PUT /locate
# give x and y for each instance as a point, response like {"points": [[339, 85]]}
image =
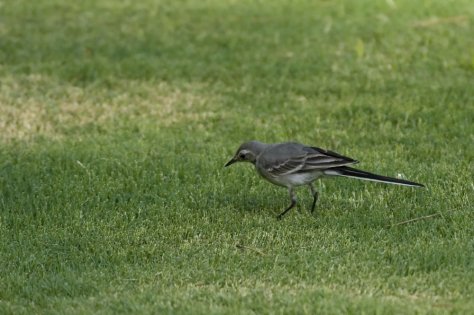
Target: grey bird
{"points": [[292, 164]]}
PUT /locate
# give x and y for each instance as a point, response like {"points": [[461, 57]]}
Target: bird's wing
{"points": [[289, 160]]}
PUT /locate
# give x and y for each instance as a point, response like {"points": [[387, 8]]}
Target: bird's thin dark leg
{"points": [[293, 203], [315, 194]]}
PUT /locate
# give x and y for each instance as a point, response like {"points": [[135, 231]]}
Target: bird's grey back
{"points": [[278, 153]]}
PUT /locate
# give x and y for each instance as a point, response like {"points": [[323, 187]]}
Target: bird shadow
{"points": [[273, 202]]}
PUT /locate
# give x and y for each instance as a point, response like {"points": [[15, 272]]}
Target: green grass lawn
{"points": [[116, 118]]}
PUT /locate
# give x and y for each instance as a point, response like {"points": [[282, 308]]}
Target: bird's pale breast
{"points": [[291, 180]]}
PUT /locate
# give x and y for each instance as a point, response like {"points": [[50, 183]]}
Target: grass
{"points": [[116, 119]]}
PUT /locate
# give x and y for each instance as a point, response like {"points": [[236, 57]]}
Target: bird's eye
{"points": [[242, 155]]}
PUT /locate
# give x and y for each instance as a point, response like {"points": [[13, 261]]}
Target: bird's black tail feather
{"points": [[355, 173]]}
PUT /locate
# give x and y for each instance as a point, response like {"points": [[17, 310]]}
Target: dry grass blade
{"points": [[436, 21], [415, 219], [256, 250]]}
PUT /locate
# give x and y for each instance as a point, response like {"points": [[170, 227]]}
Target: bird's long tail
{"points": [[355, 173]]}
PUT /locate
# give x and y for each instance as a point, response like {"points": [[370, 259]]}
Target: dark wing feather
{"points": [[335, 155], [288, 166], [311, 159]]}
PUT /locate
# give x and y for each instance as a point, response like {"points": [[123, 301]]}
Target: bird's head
{"points": [[247, 152]]}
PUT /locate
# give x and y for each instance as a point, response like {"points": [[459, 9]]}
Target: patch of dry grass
{"points": [[36, 105]]}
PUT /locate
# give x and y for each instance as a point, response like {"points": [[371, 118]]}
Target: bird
{"points": [[292, 164]]}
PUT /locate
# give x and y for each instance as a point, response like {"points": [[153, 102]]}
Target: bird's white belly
{"points": [[295, 179], [299, 179]]}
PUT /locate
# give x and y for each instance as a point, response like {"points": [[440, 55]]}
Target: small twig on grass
{"points": [[415, 219], [84, 167], [243, 247], [435, 21], [81, 165]]}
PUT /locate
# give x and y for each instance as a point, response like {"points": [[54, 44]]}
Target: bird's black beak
{"points": [[230, 162]]}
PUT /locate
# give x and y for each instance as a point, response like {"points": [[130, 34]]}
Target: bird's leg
{"points": [[293, 203], [315, 194]]}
